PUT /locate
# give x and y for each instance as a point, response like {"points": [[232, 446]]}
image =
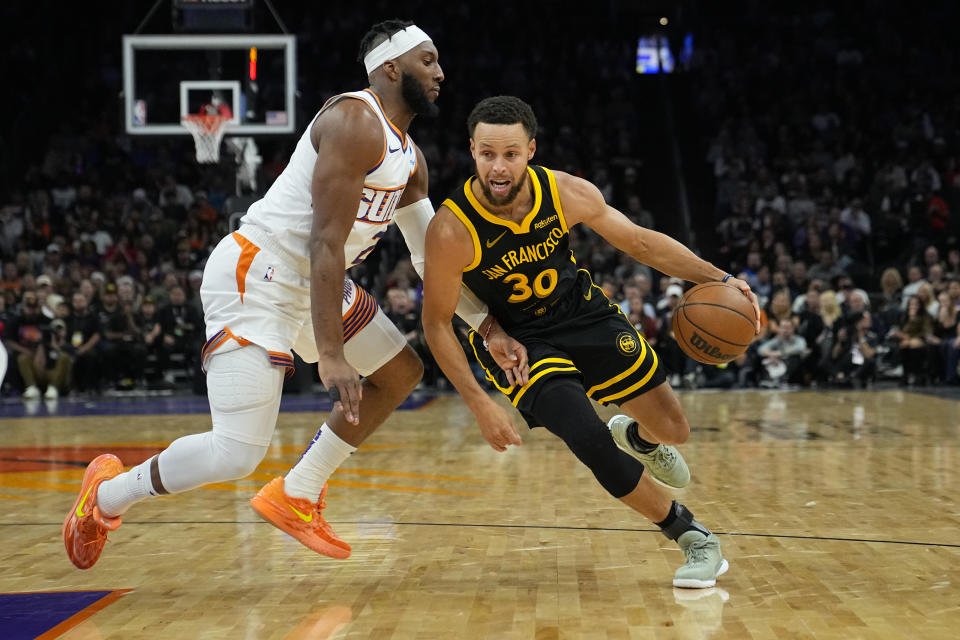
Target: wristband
{"points": [[727, 277], [486, 333]]}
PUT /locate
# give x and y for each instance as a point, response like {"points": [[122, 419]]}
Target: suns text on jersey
{"points": [[380, 204]]}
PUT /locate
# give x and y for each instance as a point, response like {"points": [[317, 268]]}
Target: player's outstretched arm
{"points": [[448, 250], [349, 141], [583, 202]]}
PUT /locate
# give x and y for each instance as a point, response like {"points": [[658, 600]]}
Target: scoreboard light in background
{"points": [[253, 63], [654, 54]]}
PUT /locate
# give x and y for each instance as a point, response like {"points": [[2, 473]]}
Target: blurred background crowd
{"points": [[811, 148]]}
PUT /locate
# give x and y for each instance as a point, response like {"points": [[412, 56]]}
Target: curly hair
{"points": [[378, 33], [503, 110]]}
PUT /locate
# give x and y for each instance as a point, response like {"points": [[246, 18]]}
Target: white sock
{"points": [[325, 453], [119, 493]]}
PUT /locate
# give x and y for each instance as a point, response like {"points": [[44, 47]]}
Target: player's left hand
{"points": [[751, 296], [510, 355]]}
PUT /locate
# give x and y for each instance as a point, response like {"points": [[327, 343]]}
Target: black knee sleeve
{"points": [[563, 408]]}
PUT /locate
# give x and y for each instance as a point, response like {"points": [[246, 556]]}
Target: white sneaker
{"points": [[705, 561], [51, 393], [31, 393], [665, 463]]}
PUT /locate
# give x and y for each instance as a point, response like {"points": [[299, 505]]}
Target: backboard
{"points": [[250, 78]]}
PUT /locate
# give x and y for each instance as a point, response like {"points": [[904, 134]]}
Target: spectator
{"points": [[890, 307], [914, 282], [854, 352], [11, 278], [151, 333], [53, 365], [951, 358], [810, 326], [182, 330], [778, 309], [128, 353], [782, 355], [857, 219], [953, 290], [928, 299], [953, 264], [845, 289], [175, 194], [826, 268], [936, 278], [914, 334], [944, 331], [24, 341], [83, 337], [799, 280], [44, 290]]}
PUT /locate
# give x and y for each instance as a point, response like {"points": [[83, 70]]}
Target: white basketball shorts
{"points": [[253, 291]]}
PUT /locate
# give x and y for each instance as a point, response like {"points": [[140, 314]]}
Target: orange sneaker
{"points": [[300, 518], [85, 529]]}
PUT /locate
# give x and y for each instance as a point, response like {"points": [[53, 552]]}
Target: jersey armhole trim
{"points": [[457, 211], [335, 99], [555, 194]]}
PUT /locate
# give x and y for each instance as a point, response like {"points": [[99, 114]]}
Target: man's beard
{"points": [[507, 199], [416, 98]]}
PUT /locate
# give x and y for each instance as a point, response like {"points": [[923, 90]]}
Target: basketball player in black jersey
{"points": [[504, 235]]}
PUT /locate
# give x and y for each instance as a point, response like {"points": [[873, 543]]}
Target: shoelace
{"points": [[666, 457], [697, 551], [319, 520], [97, 535]]}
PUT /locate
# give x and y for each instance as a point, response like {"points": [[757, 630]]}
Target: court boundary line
{"points": [[744, 534]]}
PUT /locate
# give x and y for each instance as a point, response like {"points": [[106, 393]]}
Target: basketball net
{"points": [[207, 132]]}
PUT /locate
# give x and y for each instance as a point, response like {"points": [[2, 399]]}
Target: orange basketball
{"points": [[714, 323]]}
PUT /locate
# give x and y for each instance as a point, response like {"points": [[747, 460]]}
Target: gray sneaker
{"points": [[704, 563], [665, 462]]}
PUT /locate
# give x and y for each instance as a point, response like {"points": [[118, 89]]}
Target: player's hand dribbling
{"points": [[497, 428], [510, 355], [343, 383], [745, 288]]}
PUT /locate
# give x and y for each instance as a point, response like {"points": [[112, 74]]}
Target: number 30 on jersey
{"points": [[543, 285]]}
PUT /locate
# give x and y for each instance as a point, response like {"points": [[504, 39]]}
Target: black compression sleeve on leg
{"points": [[564, 409]]}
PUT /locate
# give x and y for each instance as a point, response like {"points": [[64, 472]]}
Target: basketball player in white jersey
{"points": [[278, 284]]}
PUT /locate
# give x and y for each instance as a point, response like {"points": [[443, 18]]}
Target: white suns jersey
{"points": [[286, 212]]}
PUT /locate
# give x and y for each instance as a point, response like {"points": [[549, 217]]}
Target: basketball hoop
{"points": [[207, 132]]}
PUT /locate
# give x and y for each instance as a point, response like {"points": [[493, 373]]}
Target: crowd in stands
{"points": [[834, 144], [831, 138]]}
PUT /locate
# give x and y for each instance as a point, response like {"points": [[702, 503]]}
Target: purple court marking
{"points": [[143, 405], [24, 616]]}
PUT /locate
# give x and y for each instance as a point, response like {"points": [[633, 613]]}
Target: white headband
{"points": [[395, 46]]}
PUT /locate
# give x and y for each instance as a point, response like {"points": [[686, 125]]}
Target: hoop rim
{"points": [[207, 131], [210, 122]]}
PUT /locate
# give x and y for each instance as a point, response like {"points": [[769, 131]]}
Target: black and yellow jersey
{"points": [[520, 270]]}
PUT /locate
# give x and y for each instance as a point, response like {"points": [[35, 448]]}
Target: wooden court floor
{"points": [[838, 512]]}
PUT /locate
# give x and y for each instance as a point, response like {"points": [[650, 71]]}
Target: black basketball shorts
{"points": [[587, 337]]}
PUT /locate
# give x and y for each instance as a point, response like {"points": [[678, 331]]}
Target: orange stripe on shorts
{"points": [[248, 251]]}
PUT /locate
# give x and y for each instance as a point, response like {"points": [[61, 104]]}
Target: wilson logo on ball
{"points": [[701, 344]]}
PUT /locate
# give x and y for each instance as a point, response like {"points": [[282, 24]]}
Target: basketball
{"points": [[714, 323]]}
